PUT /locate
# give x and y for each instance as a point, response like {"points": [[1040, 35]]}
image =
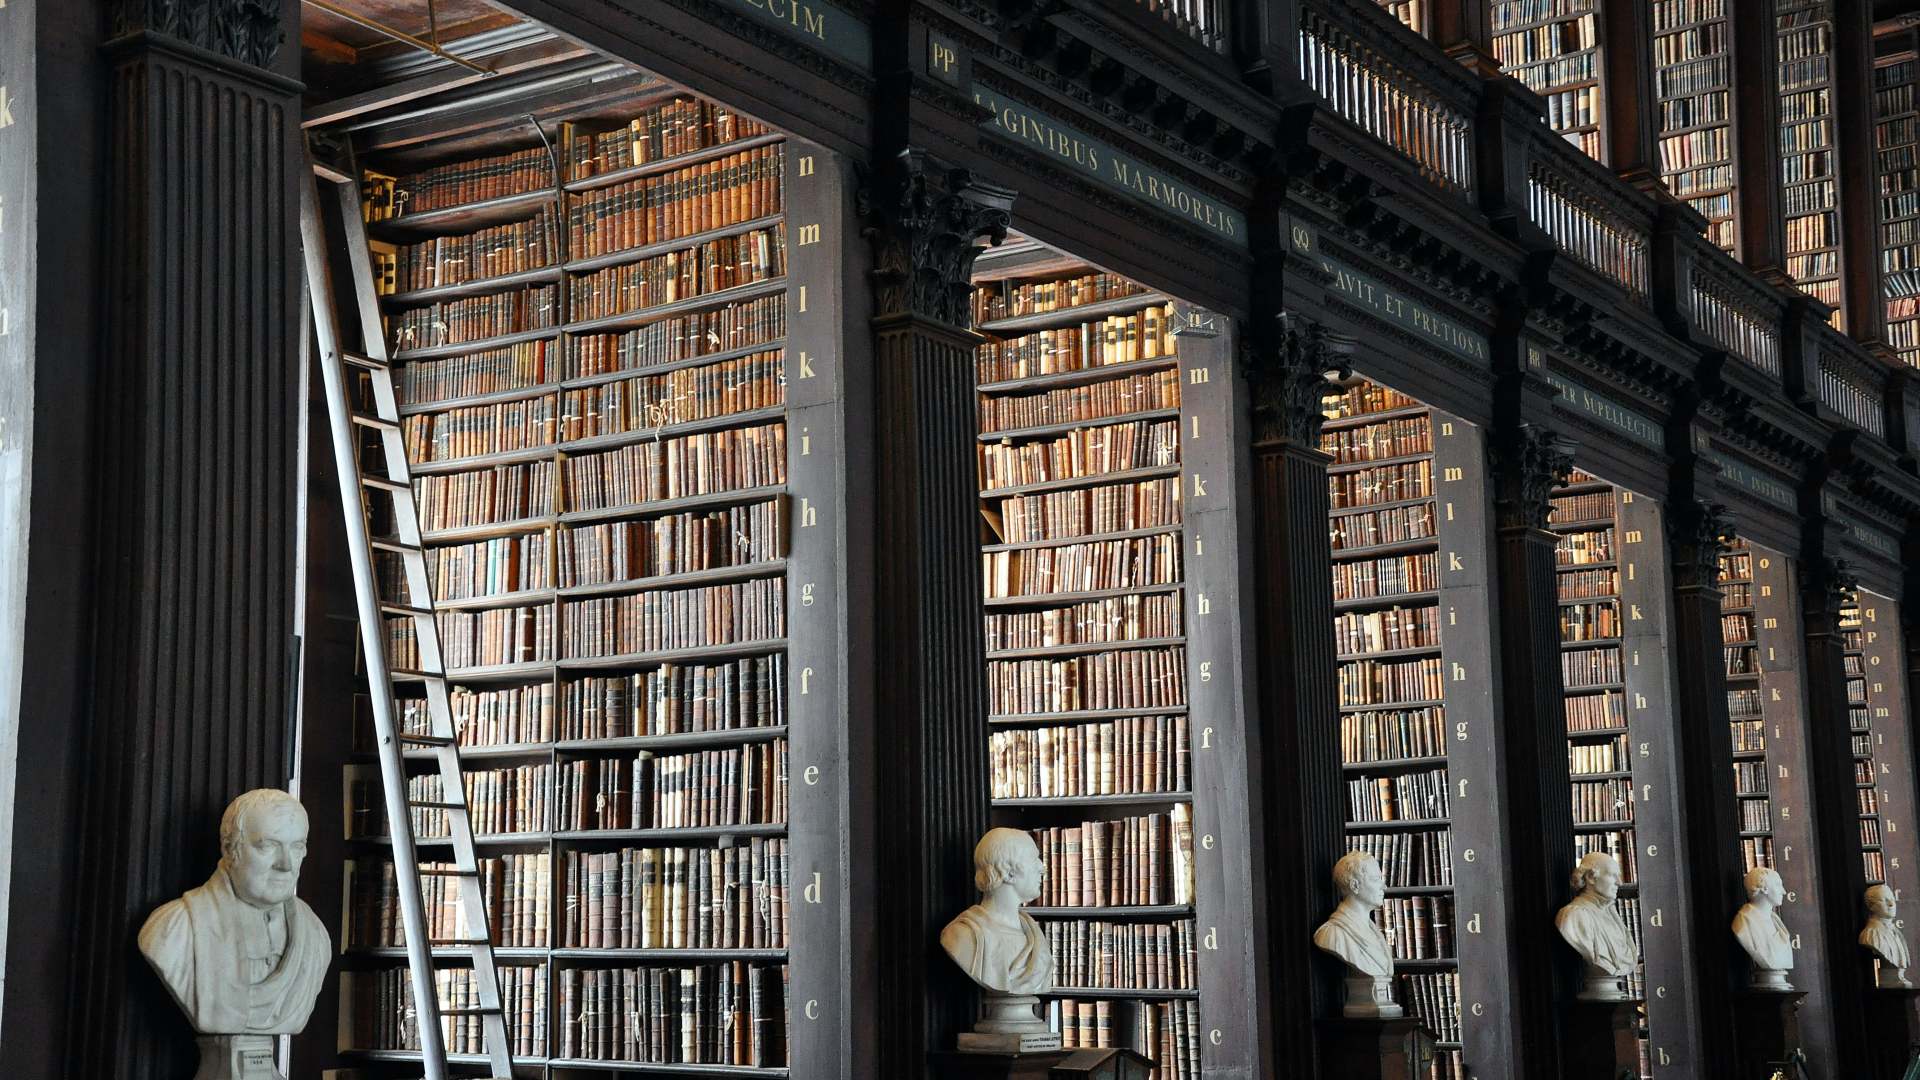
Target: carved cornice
{"points": [[1288, 384], [1701, 532], [1530, 463], [923, 227], [244, 30]]}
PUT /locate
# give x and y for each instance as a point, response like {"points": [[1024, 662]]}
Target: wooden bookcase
{"points": [[1411, 13], [1888, 767], [698, 579], [1553, 47], [1693, 88], [1809, 154], [1895, 144]]}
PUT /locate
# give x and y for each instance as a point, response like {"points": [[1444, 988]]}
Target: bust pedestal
{"points": [[1768, 1025], [1376, 1048], [237, 1057], [1009, 1024], [1893, 1016], [984, 1065], [1603, 1040]]}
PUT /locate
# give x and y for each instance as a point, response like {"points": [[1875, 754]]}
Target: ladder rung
{"points": [[477, 1010], [427, 740], [438, 805], [445, 871], [379, 423], [395, 546], [457, 942], [404, 609], [384, 484], [360, 361]]}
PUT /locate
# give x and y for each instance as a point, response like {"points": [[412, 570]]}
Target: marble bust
{"points": [[1758, 928], [1593, 927], [1001, 948], [1350, 934], [242, 955], [1883, 938]]}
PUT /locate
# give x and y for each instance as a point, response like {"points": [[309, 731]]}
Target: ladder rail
{"points": [[368, 602]]}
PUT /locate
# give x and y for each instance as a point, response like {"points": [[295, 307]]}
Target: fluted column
{"points": [[930, 694], [1286, 371], [1529, 462]]}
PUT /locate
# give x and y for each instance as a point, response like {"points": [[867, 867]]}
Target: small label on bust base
{"points": [[974, 1042]]}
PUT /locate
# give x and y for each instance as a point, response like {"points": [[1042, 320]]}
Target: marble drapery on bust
{"points": [[1002, 949], [1758, 928], [1592, 926], [1350, 934], [1882, 936]]}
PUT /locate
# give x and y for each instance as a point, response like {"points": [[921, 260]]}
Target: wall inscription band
{"points": [[1397, 308], [1637, 426]]}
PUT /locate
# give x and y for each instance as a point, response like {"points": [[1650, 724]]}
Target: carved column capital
{"points": [[1833, 583], [923, 224], [1287, 382], [244, 30], [1530, 463], [1701, 532]]}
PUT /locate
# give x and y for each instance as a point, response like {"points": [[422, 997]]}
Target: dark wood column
{"points": [[1858, 172], [1462, 28], [930, 670], [1286, 368], [1756, 124], [1626, 44], [1700, 533], [1826, 583], [1529, 460], [196, 492]]}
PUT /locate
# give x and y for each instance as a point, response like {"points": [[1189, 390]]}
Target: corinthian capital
{"points": [[1287, 380], [1532, 461], [924, 225]]}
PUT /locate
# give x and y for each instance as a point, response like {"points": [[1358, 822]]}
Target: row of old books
{"points": [[1582, 548], [739, 785], [1736, 594], [383, 1017], [473, 430], [1896, 134], [1595, 712], [1146, 860], [1741, 659], [1378, 682], [1391, 735], [1143, 392], [1750, 777], [1117, 339], [703, 463], [492, 177], [1869, 832], [1373, 442], [1129, 679], [737, 188], [1585, 759], [473, 639], [1095, 953], [677, 699], [1166, 1032], [486, 371], [672, 544], [499, 801], [730, 328], [1589, 620], [1393, 575], [1083, 452], [1594, 506], [500, 717], [1737, 627], [730, 1013], [516, 888], [1394, 525], [1110, 620], [1363, 398], [1142, 562], [456, 260], [680, 126], [1380, 484], [677, 897], [1395, 628], [726, 263], [1602, 801], [1756, 851], [1587, 584], [1756, 816], [1804, 51], [1055, 294], [1434, 998], [1615, 842], [1590, 667], [475, 318], [647, 403], [1130, 755], [1411, 859], [482, 568], [667, 619], [1089, 511], [1418, 927], [1411, 796]]}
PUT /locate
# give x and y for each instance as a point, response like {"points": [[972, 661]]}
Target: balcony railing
{"points": [[1205, 21], [1584, 226], [1851, 393], [1387, 102], [1736, 327]]}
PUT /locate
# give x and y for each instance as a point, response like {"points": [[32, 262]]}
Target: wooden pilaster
{"points": [[1632, 129], [1756, 125]]}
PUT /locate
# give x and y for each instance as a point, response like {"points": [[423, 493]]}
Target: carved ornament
{"points": [[1288, 383], [924, 224], [245, 30], [1531, 462]]}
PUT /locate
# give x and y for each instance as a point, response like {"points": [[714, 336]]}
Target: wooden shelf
{"points": [[1388, 654], [1395, 764], [477, 287], [639, 317], [1343, 423], [1067, 801], [662, 247], [1079, 376], [1422, 704], [1348, 468], [436, 352], [686, 740], [1016, 325], [611, 177], [1082, 715], [466, 217], [729, 650], [669, 835], [1090, 538], [1044, 430], [1118, 911], [1395, 547], [1065, 599], [1369, 603], [1083, 648], [1124, 476]]}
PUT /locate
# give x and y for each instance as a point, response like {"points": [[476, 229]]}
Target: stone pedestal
{"points": [[1603, 1040], [1376, 1048], [1369, 997], [237, 1057], [1893, 1018], [979, 1065], [1768, 1025]]}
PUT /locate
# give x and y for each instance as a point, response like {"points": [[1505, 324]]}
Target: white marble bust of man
{"points": [[1592, 925], [1883, 937], [1349, 933], [241, 954], [1760, 932], [999, 946]]}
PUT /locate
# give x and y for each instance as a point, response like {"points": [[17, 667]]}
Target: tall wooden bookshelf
{"points": [[1809, 158], [1083, 558], [1594, 669], [1693, 80], [1860, 735], [1888, 772], [1396, 733], [591, 326], [1896, 143], [1746, 708], [1411, 13], [1553, 46]]}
